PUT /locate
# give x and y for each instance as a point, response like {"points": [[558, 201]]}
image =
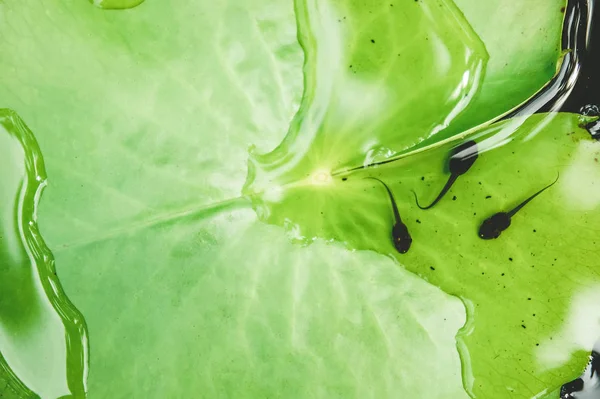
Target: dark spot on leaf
{"points": [[422, 178], [344, 178], [432, 268], [372, 40], [562, 9], [523, 325], [510, 259], [454, 198], [488, 197], [418, 221]]}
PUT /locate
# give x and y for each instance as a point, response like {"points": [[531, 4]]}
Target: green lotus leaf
{"points": [[145, 117]]}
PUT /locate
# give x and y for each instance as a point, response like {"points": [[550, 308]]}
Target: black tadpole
{"points": [[460, 161], [400, 235], [567, 390], [493, 226]]}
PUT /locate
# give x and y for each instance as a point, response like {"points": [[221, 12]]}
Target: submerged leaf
{"points": [[523, 41], [380, 78], [517, 289]]}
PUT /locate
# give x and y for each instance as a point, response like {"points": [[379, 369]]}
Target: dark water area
{"points": [[576, 86]]}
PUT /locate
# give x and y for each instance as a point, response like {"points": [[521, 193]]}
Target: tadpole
{"points": [[400, 235], [493, 226], [460, 161]]}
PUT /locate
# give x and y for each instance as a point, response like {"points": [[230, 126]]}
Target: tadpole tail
{"points": [[528, 200], [417, 199], [391, 195], [449, 184]]}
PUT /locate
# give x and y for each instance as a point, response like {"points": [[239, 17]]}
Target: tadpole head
{"points": [[401, 237], [567, 390], [493, 226], [463, 157]]}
